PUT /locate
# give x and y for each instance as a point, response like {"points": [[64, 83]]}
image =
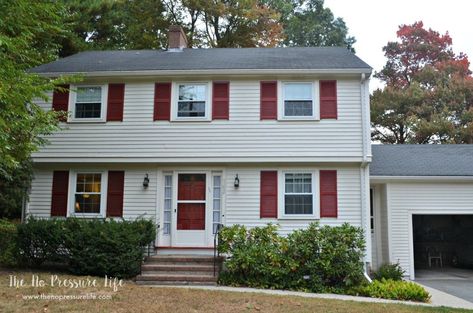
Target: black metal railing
{"points": [[216, 244]]}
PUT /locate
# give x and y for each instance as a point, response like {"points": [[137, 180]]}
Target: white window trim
{"points": [[315, 101], [72, 104], [315, 191], [103, 194], [175, 99]]}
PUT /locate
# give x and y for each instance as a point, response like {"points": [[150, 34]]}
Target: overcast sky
{"points": [[375, 22]]}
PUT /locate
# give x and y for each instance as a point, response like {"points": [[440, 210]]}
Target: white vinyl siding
{"points": [[138, 202], [421, 198], [244, 137], [242, 203]]}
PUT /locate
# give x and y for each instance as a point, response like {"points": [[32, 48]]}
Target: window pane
{"points": [[297, 108], [89, 183], [298, 204], [89, 94], [167, 193], [298, 183], [87, 203], [191, 109], [167, 204], [168, 180], [298, 91], [216, 205], [192, 92], [167, 217], [88, 110], [167, 229], [216, 217]]}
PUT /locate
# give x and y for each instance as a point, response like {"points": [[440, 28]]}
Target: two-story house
{"points": [[192, 138]]}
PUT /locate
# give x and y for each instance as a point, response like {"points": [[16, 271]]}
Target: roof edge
{"points": [[246, 72]]}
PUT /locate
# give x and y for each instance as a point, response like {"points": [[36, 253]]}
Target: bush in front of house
{"points": [[259, 259], [317, 259], [8, 245], [41, 240], [88, 247], [389, 271], [395, 290]]}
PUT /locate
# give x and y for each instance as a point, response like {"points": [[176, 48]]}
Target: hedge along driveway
{"points": [[133, 298]]}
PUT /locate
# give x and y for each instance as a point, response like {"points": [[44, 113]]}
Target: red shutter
{"points": [[61, 100], [269, 194], [59, 193], [162, 101], [328, 99], [328, 194], [116, 183], [116, 94], [220, 100], [269, 100]]}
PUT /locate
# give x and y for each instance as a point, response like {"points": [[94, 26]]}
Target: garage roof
{"points": [[294, 58], [422, 160]]}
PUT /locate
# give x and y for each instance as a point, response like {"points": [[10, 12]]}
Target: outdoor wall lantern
{"points": [[146, 181], [236, 183]]}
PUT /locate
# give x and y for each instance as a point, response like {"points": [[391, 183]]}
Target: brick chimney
{"points": [[177, 38]]}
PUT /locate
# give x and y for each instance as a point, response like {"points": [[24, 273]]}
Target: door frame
{"points": [[169, 241]]}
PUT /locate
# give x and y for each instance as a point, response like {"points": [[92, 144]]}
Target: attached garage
{"points": [[423, 206]]}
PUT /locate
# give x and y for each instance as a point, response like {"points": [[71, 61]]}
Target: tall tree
{"points": [[428, 96], [307, 23], [117, 24], [227, 23], [28, 37]]}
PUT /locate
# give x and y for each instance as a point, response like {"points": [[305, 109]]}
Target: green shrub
{"points": [[8, 247], [395, 290], [315, 259], [88, 247], [114, 248], [389, 271], [41, 240]]}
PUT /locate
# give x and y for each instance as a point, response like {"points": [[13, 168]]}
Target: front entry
{"points": [[191, 213]]}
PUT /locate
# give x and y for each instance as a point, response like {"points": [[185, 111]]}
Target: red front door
{"points": [[191, 202]]}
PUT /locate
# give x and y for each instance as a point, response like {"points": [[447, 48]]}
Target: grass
{"points": [[133, 298]]}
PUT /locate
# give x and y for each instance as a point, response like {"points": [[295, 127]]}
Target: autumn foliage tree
{"points": [[428, 96]]}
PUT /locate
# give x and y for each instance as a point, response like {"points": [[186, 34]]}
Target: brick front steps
{"points": [[179, 270]]}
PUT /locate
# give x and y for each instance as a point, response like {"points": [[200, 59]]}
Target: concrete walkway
{"points": [[438, 298]]}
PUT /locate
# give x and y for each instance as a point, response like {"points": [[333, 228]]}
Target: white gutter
{"points": [[365, 119], [364, 170], [247, 72]]}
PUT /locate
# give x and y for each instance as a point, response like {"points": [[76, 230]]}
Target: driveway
{"points": [[456, 282]]}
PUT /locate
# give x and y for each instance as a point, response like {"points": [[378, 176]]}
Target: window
{"points": [[167, 204], [88, 102], [192, 101], [298, 100], [217, 201], [88, 193], [298, 194]]}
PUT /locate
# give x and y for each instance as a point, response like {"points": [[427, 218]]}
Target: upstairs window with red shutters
{"points": [[298, 100], [88, 103], [192, 101]]}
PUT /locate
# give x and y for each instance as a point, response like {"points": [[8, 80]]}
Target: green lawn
{"points": [[133, 298]]}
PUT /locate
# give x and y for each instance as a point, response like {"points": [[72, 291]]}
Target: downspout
{"points": [[364, 170]]}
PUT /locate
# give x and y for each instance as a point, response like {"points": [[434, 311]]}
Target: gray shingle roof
{"points": [[316, 58], [422, 160]]}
